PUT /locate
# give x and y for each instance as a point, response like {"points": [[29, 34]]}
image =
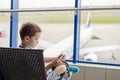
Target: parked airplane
{"points": [[66, 45], [86, 33]]}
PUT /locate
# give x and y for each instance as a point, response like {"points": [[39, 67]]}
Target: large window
{"points": [[99, 30]]}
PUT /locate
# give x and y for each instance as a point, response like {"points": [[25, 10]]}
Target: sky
{"points": [[57, 3]]}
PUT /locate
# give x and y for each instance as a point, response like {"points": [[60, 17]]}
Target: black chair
{"points": [[21, 64]]}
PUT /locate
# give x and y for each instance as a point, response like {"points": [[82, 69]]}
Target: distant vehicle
{"points": [[2, 33]]}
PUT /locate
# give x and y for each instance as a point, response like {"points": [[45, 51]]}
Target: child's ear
{"points": [[27, 38]]}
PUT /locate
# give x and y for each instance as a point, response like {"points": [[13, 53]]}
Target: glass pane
{"points": [[45, 3], [5, 4], [103, 44], [4, 24], [97, 3], [56, 27]]}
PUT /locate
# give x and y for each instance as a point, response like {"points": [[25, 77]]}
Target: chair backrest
{"points": [[21, 64]]}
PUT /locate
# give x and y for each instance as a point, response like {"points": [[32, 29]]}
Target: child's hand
{"points": [[56, 62], [62, 57]]}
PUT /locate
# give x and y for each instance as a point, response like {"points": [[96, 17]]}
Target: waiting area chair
{"points": [[21, 64]]}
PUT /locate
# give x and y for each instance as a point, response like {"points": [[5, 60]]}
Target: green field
{"points": [[66, 17]]}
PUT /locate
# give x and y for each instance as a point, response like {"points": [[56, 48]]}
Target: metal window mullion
{"points": [[61, 9], [76, 42], [14, 24]]}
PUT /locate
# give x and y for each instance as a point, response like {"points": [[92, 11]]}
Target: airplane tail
{"points": [[88, 20]]}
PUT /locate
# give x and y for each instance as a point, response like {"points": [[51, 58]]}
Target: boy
{"points": [[30, 34]]}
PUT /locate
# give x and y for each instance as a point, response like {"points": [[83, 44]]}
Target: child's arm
{"points": [[49, 66], [49, 59]]}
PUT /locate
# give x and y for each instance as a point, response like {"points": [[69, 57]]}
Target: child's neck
{"points": [[24, 45]]}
